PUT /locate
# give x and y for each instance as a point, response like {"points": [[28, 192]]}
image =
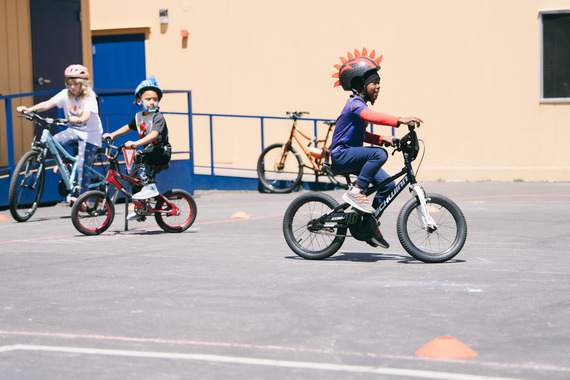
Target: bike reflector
{"points": [[129, 157]]}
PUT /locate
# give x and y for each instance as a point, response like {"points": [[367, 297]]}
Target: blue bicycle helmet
{"points": [[148, 84]]}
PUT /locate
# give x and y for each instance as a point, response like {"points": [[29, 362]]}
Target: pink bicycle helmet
{"points": [[356, 69], [77, 71]]}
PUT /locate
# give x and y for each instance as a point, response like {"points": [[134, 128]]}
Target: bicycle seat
{"points": [[346, 174], [330, 123]]}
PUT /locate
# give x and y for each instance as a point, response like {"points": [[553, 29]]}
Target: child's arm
{"points": [[80, 120], [383, 119], [378, 118], [40, 107], [119, 132], [373, 139], [152, 136]]}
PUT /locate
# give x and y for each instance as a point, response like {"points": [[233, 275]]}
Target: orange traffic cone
{"points": [[240, 215], [446, 348]]}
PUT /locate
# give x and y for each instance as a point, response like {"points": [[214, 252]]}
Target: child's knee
{"points": [[379, 155]]}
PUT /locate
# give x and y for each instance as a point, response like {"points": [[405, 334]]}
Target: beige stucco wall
{"points": [[470, 69]]}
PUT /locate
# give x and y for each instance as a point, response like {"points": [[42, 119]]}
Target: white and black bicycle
{"points": [[430, 227]]}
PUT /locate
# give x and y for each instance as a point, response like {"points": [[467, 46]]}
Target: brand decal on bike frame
{"points": [[391, 196], [352, 218]]}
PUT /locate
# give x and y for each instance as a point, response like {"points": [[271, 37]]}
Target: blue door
{"points": [[118, 64]]}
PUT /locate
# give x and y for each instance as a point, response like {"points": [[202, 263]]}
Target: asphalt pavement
{"points": [[227, 299]]}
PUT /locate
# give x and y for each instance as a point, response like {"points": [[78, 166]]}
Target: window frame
{"points": [[541, 42]]}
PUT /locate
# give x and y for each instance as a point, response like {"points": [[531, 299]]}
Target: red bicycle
{"points": [[94, 211]]}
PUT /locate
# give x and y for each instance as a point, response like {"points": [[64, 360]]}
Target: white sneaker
{"points": [[132, 216], [135, 216], [358, 200], [149, 191]]}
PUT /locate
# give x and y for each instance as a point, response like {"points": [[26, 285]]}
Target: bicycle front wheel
{"points": [[279, 171], [27, 186], [92, 213], [305, 237], [183, 218], [430, 246]]}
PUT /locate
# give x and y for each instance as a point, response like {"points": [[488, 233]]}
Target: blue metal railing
{"points": [[211, 116], [9, 123], [101, 93], [262, 129]]}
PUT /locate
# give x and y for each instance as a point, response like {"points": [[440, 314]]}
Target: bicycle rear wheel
{"points": [[92, 213], [279, 171], [186, 211], [306, 238], [435, 246], [27, 186]]}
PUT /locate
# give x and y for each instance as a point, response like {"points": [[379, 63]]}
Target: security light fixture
{"points": [[163, 14]]}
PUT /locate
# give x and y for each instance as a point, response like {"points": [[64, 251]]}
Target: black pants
{"points": [[146, 161]]}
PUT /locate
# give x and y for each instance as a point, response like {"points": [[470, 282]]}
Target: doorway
{"points": [[118, 64], [56, 44]]}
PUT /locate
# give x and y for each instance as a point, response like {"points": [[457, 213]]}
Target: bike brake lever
{"points": [[396, 143]]}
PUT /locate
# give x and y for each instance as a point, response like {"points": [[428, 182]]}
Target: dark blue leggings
{"points": [[366, 162]]}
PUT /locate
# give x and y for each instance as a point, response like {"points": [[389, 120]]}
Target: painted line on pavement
{"points": [[511, 196], [40, 238], [253, 361], [522, 366]]}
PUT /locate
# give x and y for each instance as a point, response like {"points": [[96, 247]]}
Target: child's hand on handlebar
{"points": [[131, 144], [408, 120], [388, 141], [75, 120]]}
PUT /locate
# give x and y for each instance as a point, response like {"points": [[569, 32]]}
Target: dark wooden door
{"points": [[56, 43]]}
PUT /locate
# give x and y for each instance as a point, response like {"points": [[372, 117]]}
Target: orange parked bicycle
{"points": [[280, 166]]}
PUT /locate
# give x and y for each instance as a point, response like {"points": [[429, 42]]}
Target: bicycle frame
{"points": [[294, 135], [409, 177], [114, 177], [57, 150]]}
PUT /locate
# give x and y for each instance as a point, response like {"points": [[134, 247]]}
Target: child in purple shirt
{"points": [[359, 74]]}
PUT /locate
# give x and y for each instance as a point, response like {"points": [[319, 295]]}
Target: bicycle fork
{"points": [[30, 170], [424, 216]]}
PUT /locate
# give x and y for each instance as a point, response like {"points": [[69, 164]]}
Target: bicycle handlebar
{"points": [[296, 114], [48, 120], [117, 149], [409, 143]]}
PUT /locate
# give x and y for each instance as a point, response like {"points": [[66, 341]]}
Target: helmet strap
{"points": [[144, 107], [149, 110], [364, 95]]}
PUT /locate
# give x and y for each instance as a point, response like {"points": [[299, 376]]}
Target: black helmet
{"points": [[357, 71]]}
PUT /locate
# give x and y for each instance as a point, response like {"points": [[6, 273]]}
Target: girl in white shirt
{"points": [[79, 103]]}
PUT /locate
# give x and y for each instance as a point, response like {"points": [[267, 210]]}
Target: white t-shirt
{"points": [[93, 129]]}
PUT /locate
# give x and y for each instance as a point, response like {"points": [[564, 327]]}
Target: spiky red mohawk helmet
{"points": [[355, 68]]}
